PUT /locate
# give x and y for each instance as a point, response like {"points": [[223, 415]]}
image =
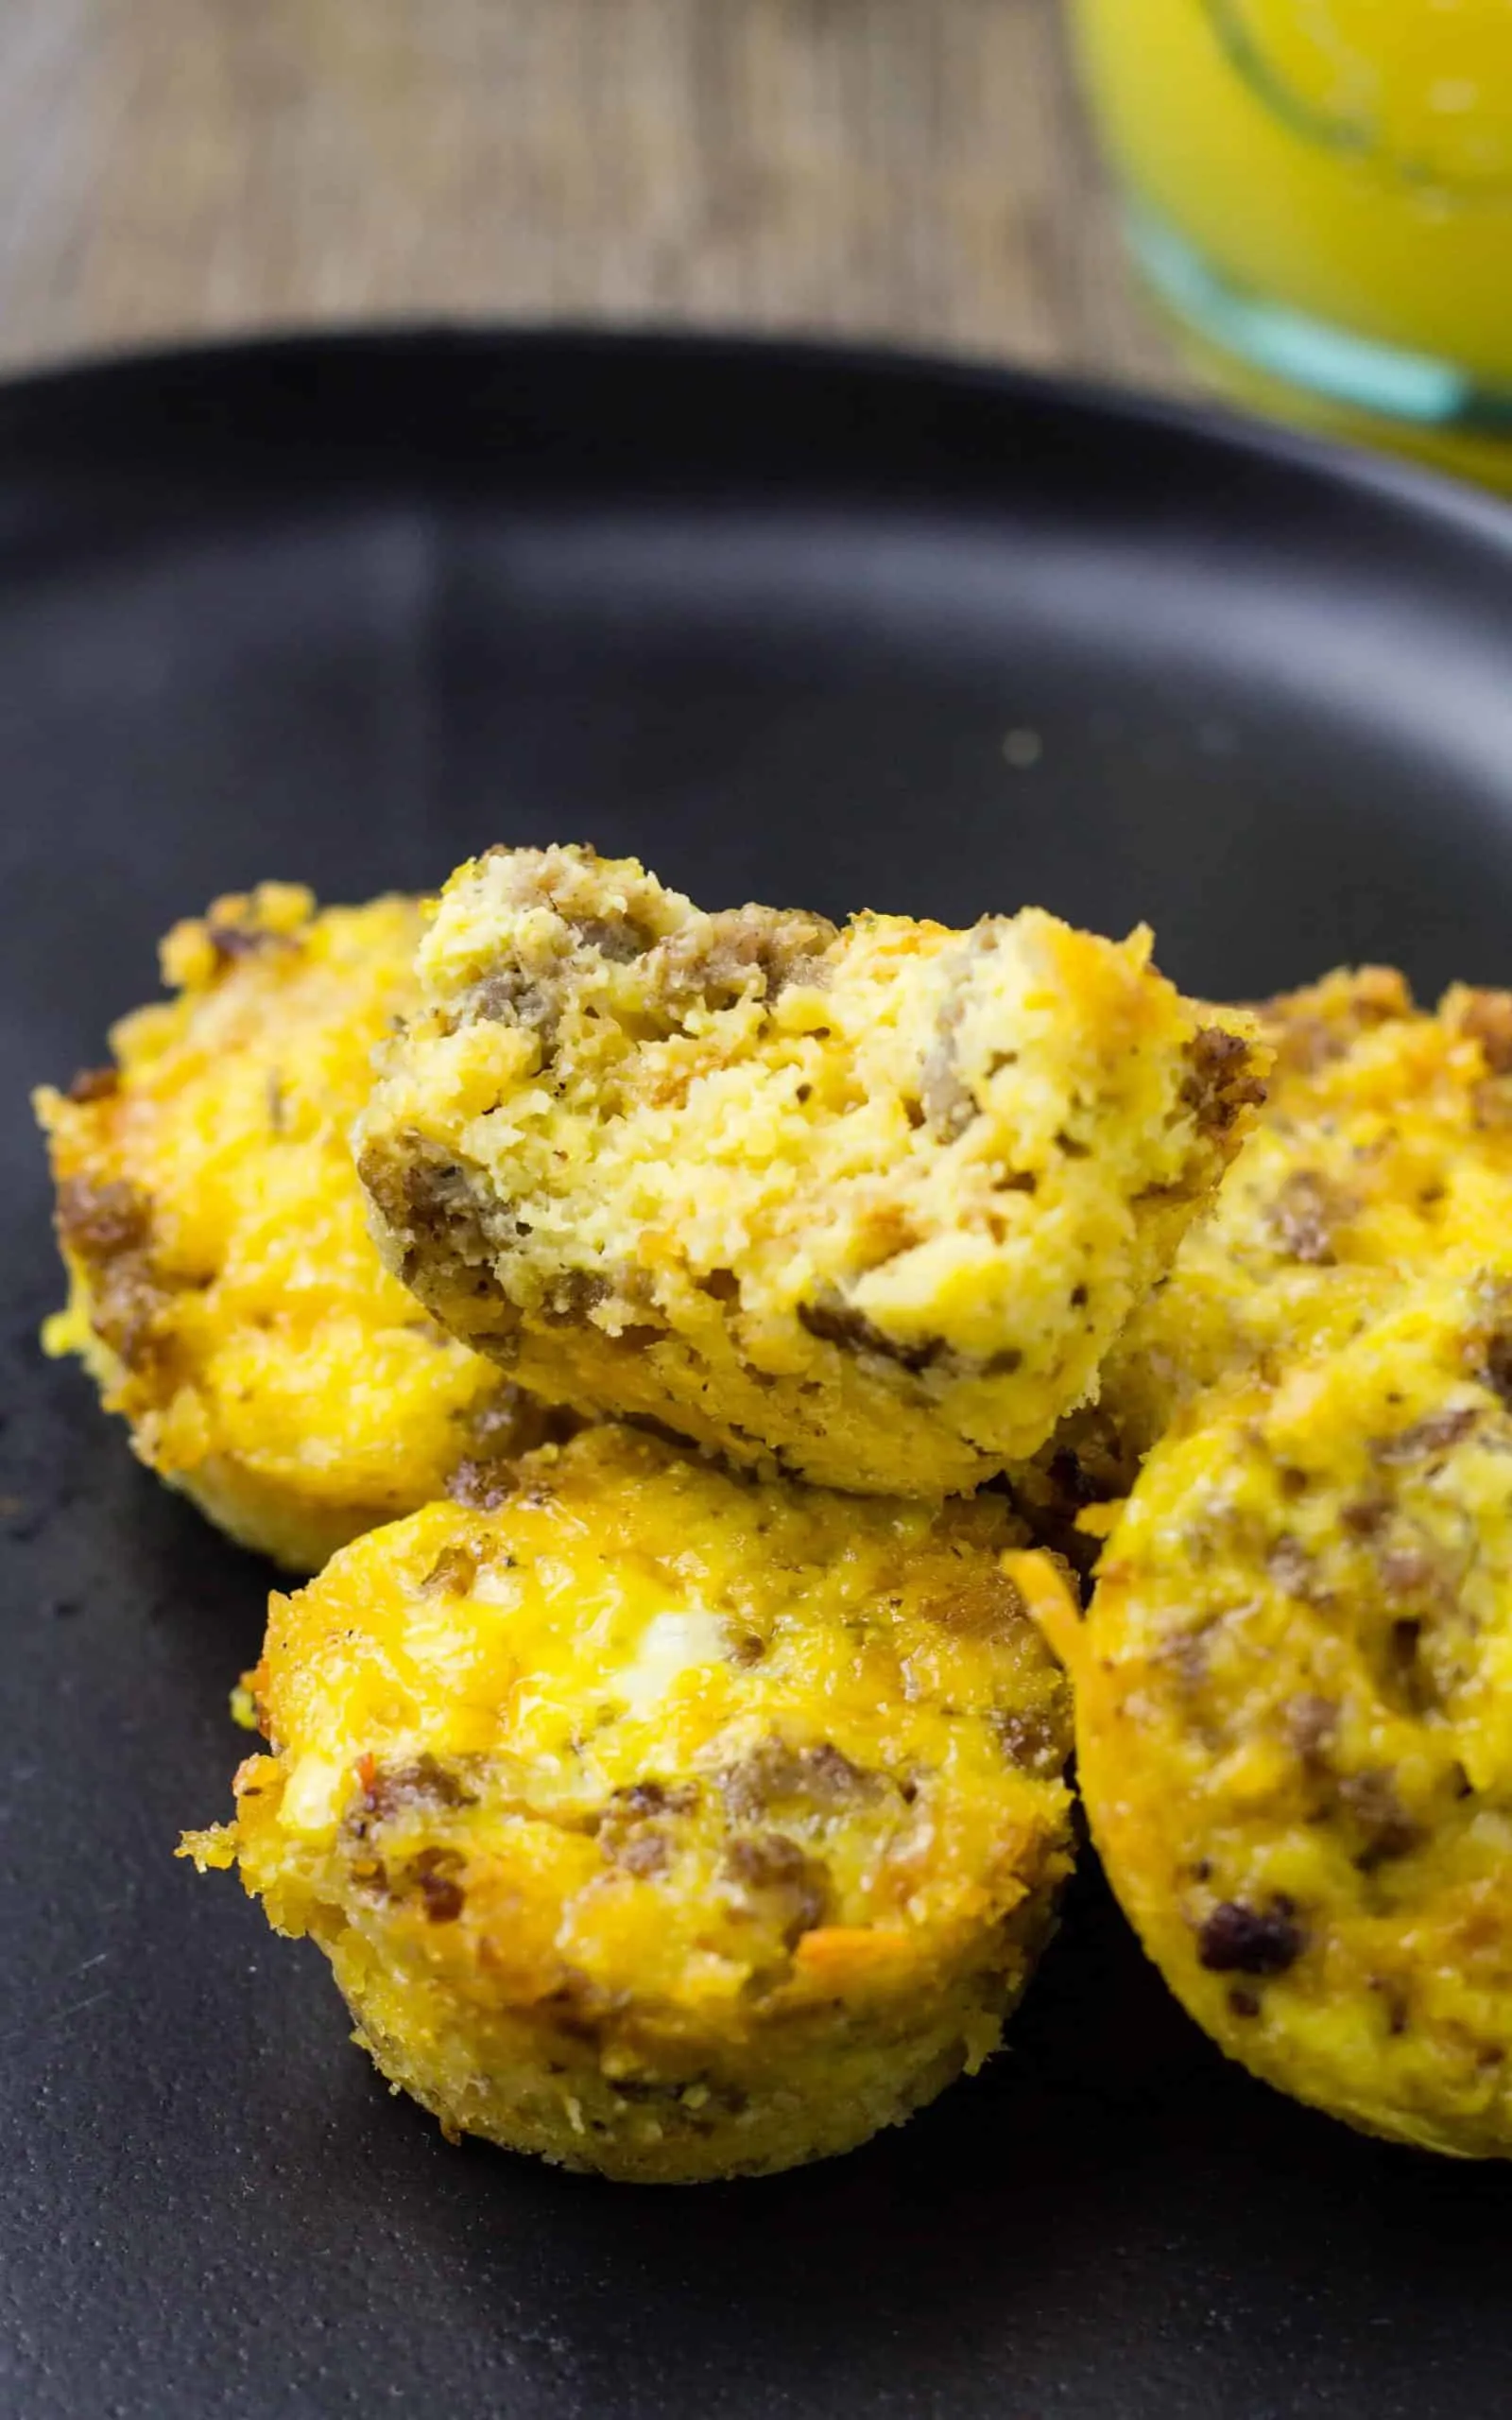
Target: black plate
{"points": [[346, 611]]}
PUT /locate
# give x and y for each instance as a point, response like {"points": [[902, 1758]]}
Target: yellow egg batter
{"points": [[663, 1823], [224, 1291]]}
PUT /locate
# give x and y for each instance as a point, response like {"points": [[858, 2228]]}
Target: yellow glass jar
{"points": [[1321, 193]]}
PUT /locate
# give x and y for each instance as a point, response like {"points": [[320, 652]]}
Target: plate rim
{"points": [[1408, 490], [212, 2329]]}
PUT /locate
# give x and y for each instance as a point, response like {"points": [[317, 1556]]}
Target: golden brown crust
{"points": [[1294, 1733], [662, 1823], [224, 1292], [1386, 1143]]}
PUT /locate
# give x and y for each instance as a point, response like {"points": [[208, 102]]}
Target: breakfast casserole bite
{"points": [[866, 1207], [666, 1823], [224, 1291], [1294, 1716], [1385, 1142]]}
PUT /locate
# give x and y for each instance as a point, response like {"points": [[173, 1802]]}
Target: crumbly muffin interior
{"points": [[871, 1204]]}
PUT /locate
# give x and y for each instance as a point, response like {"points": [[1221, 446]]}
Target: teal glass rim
{"points": [[1329, 362]]}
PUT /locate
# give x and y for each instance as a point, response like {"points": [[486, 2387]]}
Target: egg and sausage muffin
{"points": [[1293, 1718], [867, 1206], [224, 1291], [1385, 1141], [664, 1822]]}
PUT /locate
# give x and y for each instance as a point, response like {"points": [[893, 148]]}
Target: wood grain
{"points": [[914, 170]]}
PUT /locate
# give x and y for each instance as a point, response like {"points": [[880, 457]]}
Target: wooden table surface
{"points": [[914, 170]]}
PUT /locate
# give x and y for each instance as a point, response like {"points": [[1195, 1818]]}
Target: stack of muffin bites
{"points": [[688, 1334]]}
